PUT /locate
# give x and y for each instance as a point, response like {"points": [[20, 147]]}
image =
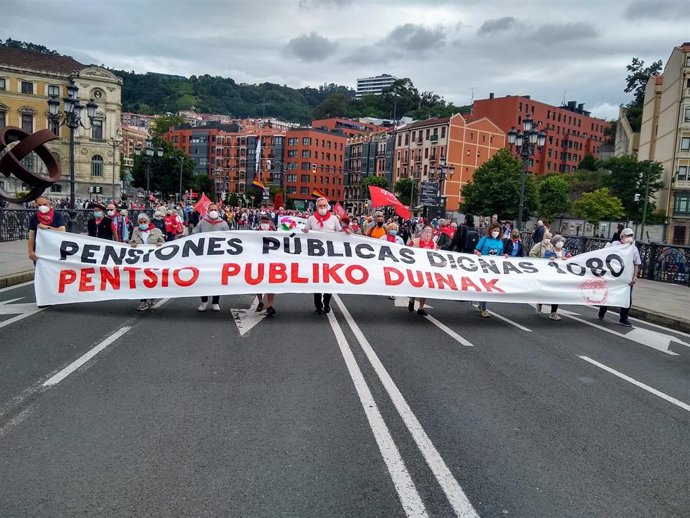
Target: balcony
{"points": [[433, 139], [681, 184]]}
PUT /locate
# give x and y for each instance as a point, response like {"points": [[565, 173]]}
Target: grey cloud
{"points": [[325, 4], [497, 25], [414, 38], [568, 31], [311, 47], [657, 9]]}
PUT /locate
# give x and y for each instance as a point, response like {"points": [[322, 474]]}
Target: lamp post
{"points": [[525, 143], [443, 170], [147, 155], [646, 201], [180, 161], [72, 118], [115, 142]]}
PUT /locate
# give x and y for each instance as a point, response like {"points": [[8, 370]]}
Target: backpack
{"points": [[471, 240]]}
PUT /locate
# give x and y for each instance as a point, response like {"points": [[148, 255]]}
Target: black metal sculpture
{"points": [[11, 157]]}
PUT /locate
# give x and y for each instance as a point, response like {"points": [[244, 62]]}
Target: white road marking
{"points": [[654, 391], [455, 336], [246, 319], [24, 310], [15, 421], [404, 485], [16, 286], [501, 317], [57, 378], [640, 337], [456, 496], [651, 324], [9, 301], [160, 303], [401, 302]]}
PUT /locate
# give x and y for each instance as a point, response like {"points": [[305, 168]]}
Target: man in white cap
{"points": [[627, 238]]}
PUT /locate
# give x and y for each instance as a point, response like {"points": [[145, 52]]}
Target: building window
{"points": [[682, 173], [306, 166], [3, 83], [292, 178], [53, 125], [3, 119], [28, 122], [443, 132], [305, 178], [306, 153], [292, 153], [54, 90], [27, 87], [304, 190], [682, 205], [687, 114], [97, 129], [56, 187], [685, 144], [306, 141], [97, 165]]}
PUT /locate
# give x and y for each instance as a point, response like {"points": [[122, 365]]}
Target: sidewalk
{"points": [[653, 301]]}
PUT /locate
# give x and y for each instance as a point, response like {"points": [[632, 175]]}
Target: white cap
{"points": [[627, 232]]}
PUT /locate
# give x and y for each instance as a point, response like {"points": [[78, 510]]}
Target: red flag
{"points": [[382, 197], [202, 205], [339, 211]]}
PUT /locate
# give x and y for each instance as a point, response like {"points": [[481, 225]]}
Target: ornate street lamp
{"points": [[147, 155], [71, 116], [524, 144], [443, 171]]}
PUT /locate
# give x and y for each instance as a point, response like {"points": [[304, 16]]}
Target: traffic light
{"points": [[313, 168]]}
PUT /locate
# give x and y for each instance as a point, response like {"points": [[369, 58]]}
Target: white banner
{"points": [[77, 268]]}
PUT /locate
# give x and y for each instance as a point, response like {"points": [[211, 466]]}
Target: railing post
{"points": [[651, 261]]}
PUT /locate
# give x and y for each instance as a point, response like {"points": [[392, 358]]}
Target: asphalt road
{"points": [[368, 411]]}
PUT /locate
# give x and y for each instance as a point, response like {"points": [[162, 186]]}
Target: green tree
{"points": [[233, 199], [377, 181], [637, 78], [404, 189], [553, 193], [202, 184], [582, 181], [162, 124], [627, 180], [336, 105], [598, 205], [589, 163], [495, 188], [164, 171]]}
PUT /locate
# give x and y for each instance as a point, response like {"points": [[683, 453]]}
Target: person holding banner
{"points": [[146, 234], [377, 230], [211, 222], [627, 237], [323, 221], [266, 224], [490, 244], [553, 253], [425, 240], [45, 218]]}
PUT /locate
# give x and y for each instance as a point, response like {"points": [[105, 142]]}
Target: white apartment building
{"points": [[374, 85]]}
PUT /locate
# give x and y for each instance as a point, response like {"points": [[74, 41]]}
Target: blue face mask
{"points": [[393, 232], [98, 214], [143, 226]]}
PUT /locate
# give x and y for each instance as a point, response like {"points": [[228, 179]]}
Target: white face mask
{"points": [[559, 244], [494, 235], [547, 241], [213, 214], [43, 209], [322, 211], [628, 239], [111, 213], [265, 226]]}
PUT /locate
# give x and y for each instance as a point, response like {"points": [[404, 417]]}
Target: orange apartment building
{"points": [[465, 146], [347, 127], [571, 133], [314, 159]]}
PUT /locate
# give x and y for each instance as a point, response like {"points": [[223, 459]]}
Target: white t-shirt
{"points": [[330, 225]]}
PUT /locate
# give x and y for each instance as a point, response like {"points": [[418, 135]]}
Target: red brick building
{"points": [[571, 133], [348, 127], [313, 159]]}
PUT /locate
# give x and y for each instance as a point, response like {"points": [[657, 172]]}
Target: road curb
{"points": [[16, 278], [661, 319]]}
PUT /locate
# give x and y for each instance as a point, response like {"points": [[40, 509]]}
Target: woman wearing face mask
{"points": [[45, 218], [100, 225], [158, 220], [211, 222], [266, 224], [540, 248], [490, 244], [145, 234], [425, 240], [513, 247], [556, 252], [392, 235]]}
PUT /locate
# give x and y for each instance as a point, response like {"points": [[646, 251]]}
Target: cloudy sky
{"points": [[550, 49]]}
